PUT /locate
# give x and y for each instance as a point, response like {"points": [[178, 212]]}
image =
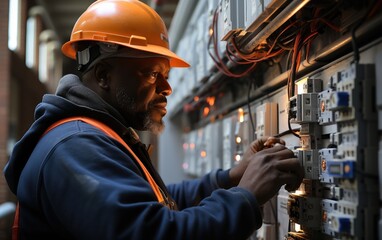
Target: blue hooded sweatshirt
{"points": [[77, 183]]}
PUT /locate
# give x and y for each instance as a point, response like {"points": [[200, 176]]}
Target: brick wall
{"points": [[29, 92], [4, 113], [4, 91]]}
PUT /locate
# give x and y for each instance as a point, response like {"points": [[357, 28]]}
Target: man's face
{"points": [[140, 88]]}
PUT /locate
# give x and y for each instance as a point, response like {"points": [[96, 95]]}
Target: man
{"points": [[89, 177]]}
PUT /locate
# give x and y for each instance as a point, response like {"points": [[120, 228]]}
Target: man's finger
{"points": [[290, 179], [289, 165], [271, 141], [279, 150]]}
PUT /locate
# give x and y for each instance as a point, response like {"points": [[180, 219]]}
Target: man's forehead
{"points": [[158, 63]]}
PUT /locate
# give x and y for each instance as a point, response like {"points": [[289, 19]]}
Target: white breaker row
{"points": [[338, 151]]}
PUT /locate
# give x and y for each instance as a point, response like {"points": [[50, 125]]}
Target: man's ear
{"points": [[102, 75]]}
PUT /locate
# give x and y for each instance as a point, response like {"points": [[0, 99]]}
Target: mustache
{"points": [[161, 99]]}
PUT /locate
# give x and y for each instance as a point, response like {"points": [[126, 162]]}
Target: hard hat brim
{"points": [[175, 60]]}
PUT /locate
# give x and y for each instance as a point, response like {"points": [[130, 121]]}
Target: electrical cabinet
{"points": [[309, 73]]}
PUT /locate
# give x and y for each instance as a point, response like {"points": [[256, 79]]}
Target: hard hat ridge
{"points": [[129, 23]]}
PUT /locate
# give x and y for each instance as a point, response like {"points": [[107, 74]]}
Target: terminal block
{"points": [[304, 108], [305, 211], [308, 85], [309, 161]]}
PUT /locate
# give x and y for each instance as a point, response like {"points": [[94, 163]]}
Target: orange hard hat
{"points": [[129, 23]]}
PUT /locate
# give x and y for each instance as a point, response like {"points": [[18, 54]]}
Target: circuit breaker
{"points": [[337, 197]]}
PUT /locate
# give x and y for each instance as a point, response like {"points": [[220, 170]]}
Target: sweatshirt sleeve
{"points": [[90, 187], [190, 192]]}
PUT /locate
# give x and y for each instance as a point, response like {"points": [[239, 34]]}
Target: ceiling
{"points": [[61, 15]]}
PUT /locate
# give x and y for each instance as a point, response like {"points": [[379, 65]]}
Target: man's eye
{"points": [[153, 74]]}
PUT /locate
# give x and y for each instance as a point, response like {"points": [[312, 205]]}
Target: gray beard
{"points": [[139, 120]]}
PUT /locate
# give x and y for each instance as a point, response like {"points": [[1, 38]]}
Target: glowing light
{"points": [[203, 154], [299, 192], [196, 98], [238, 140], [297, 227], [211, 101], [240, 113], [206, 111], [185, 165], [185, 146], [237, 157], [211, 31], [192, 146]]}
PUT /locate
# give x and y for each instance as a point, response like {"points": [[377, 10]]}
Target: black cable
{"points": [[292, 131], [285, 133], [354, 29], [249, 108]]}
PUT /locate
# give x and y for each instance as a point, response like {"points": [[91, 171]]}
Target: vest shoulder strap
{"points": [[111, 133]]}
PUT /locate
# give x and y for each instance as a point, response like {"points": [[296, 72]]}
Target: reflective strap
{"points": [[16, 225], [111, 133]]}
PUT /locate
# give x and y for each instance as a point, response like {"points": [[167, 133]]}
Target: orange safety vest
{"points": [[111, 133]]}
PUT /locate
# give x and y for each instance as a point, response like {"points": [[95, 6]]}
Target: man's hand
{"points": [[265, 142], [265, 167]]}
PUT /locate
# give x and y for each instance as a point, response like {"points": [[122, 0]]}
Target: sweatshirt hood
{"points": [[72, 98]]}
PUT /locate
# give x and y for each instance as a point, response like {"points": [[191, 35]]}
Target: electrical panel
{"points": [[233, 20], [326, 107], [266, 120], [242, 134], [214, 146], [253, 8], [338, 164], [189, 150], [200, 53], [228, 143]]}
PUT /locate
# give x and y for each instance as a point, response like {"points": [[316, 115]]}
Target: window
{"points": [[31, 45], [14, 25], [50, 59], [43, 62]]}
